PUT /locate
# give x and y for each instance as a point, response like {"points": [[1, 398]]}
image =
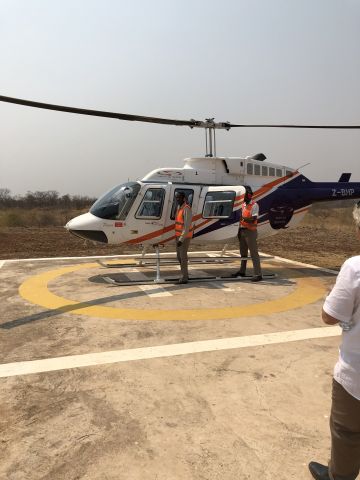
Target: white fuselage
{"points": [[143, 212]]}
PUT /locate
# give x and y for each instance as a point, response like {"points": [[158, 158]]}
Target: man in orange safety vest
{"points": [[183, 234], [247, 236]]}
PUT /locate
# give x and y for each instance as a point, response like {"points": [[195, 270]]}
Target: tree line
{"points": [[46, 199]]}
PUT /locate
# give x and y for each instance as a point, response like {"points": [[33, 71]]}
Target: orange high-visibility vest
{"points": [[246, 213], [179, 222]]}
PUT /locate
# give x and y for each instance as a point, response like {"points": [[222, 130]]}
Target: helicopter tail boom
{"points": [[324, 191]]}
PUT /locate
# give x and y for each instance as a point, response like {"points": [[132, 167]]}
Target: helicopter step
{"points": [[175, 280], [152, 262]]}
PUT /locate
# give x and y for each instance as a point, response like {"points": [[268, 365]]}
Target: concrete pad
{"points": [[248, 410]]}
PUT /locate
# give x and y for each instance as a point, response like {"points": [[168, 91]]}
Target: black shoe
{"points": [[181, 281], [256, 278], [318, 471], [238, 274]]}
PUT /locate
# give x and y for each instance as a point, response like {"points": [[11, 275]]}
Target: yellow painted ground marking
{"points": [[35, 290]]}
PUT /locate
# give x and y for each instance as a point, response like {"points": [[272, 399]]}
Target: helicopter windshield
{"points": [[116, 204]]}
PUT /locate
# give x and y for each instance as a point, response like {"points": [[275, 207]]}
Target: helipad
{"points": [[294, 294], [209, 380]]}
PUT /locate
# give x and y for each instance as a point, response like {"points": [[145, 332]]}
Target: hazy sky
{"points": [[243, 61]]}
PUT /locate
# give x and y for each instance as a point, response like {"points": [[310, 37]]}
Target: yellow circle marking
{"points": [[35, 290]]}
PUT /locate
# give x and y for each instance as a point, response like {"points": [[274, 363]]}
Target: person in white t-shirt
{"points": [[342, 306]]}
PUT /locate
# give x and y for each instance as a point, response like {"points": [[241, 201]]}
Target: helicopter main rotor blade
{"points": [[231, 125], [208, 123], [99, 113]]}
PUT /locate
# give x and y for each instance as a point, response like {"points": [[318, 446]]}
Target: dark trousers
{"points": [[345, 434], [248, 241], [182, 256]]}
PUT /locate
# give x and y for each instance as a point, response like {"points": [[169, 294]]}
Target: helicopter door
{"points": [[151, 211], [192, 193]]}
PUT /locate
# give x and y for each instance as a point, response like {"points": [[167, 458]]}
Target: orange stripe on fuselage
{"points": [[157, 233], [268, 186], [150, 235], [162, 231]]}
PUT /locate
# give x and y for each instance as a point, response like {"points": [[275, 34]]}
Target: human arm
{"points": [[341, 302], [249, 219], [254, 215], [328, 319]]}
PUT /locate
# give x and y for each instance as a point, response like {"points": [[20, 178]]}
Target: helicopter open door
{"points": [[192, 193], [152, 218]]}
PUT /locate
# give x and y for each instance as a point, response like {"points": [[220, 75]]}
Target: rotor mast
{"points": [[210, 139]]}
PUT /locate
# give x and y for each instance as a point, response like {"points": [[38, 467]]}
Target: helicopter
{"points": [[142, 212]]}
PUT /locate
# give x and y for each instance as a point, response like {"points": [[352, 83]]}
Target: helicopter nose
{"points": [[87, 226]]}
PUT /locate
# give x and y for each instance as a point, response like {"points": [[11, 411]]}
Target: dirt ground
{"points": [[323, 245]]}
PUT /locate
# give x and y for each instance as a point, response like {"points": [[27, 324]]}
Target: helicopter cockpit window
{"points": [[279, 172], [116, 204], [272, 171], [264, 170], [218, 204], [152, 204], [189, 194], [249, 168], [256, 169]]}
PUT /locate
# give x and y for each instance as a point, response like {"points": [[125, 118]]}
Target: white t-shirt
{"points": [[254, 209], [343, 303]]}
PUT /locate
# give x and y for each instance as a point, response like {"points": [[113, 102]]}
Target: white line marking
{"points": [[103, 358], [229, 253], [223, 287], [300, 264], [157, 291], [220, 285], [2, 263]]}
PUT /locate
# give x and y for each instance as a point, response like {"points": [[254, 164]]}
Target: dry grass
{"points": [[326, 237], [324, 215], [37, 217]]}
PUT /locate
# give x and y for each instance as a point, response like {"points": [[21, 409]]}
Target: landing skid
{"points": [[159, 280], [152, 262], [174, 281]]}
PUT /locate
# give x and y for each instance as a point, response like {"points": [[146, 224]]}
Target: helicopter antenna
{"points": [[302, 166]]}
